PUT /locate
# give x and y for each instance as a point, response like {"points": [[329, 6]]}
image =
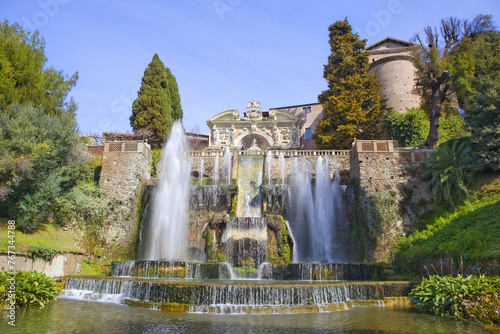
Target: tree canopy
{"points": [[158, 104], [482, 106], [24, 77], [40, 159], [41, 153], [352, 105], [435, 66]]}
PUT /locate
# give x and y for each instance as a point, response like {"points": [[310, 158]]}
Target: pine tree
{"points": [[158, 103], [352, 105]]}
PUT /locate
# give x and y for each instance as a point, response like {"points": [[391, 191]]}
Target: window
{"points": [[306, 110], [308, 134]]}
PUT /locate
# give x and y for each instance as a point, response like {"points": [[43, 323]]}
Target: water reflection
{"points": [[73, 316]]}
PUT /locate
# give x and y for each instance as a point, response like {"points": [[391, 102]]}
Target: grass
{"points": [[50, 235], [470, 231], [90, 269]]}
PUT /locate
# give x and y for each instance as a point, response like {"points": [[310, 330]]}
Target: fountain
{"points": [[246, 239], [166, 233]]}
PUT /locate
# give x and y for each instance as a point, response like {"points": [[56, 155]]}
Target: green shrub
{"points": [[451, 296], [42, 252], [82, 204], [484, 308], [409, 129], [155, 160], [32, 288]]}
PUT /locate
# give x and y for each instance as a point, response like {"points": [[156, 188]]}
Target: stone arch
{"points": [[246, 141]]}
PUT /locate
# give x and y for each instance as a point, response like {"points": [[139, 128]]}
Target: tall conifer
{"points": [[158, 102], [352, 105]]}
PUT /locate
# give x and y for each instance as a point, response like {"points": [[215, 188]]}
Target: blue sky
{"points": [[223, 53]]}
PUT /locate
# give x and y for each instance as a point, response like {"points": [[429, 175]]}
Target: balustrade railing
{"points": [[276, 153], [128, 147]]}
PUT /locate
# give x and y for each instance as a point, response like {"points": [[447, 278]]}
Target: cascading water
{"points": [[166, 235], [317, 214], [249, 181]]}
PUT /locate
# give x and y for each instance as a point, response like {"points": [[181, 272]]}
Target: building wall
{"points": [[398, 82], [390, 193], [309, 120]]}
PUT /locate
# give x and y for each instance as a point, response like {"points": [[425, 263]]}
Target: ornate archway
{"points": [[248, 141]]}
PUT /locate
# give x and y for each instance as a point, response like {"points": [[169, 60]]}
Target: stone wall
{"points": [[126, 168], [61, 265], [389, 191]]}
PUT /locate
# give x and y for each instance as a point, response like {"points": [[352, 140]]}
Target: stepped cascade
{"points": [[253, 229]]}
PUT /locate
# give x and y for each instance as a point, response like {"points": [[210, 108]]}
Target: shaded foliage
{"points": [[482, 106], [42, 157], [449, 169]]}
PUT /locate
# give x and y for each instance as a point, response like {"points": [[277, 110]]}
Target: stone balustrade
{"points": [[128, 147], [276, 153]]}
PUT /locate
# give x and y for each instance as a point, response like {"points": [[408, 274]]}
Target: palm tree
{"points": [[449, 170]]}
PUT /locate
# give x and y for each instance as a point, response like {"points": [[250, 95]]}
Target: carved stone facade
{"points": [[273, 129]]}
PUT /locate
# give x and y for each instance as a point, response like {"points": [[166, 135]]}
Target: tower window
{"points": [[306, 110]]}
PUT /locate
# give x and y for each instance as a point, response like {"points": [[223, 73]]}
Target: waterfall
{"points": [[269, 162], [249, 181], [317, 214], [226, 165], [230, 297], [166, 234], [245, 239], [281, 163]]}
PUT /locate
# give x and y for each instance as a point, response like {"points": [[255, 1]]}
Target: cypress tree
{"points": [[352, 105], [175, 98], [158, 102]]}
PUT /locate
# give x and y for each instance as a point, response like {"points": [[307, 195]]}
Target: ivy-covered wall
{"points": [[389, 193]]}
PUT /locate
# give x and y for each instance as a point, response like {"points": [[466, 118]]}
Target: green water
{"points": [[75, 316]]}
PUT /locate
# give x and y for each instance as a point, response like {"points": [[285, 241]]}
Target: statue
{"points": [[254, 105], [276, 135], [232, 134], [214, 135]]}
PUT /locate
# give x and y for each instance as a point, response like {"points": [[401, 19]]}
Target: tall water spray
{"points": [[318, 213], [215, 176], [281, 163], [166, 235], [202, 170], [226, 165], [269, 161]]}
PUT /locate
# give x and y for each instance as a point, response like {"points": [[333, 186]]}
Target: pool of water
{"points": [[77, 316]]}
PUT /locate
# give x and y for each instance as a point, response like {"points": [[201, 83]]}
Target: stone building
{"points": [[391, 61], [273, 129], [309, 114]]}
